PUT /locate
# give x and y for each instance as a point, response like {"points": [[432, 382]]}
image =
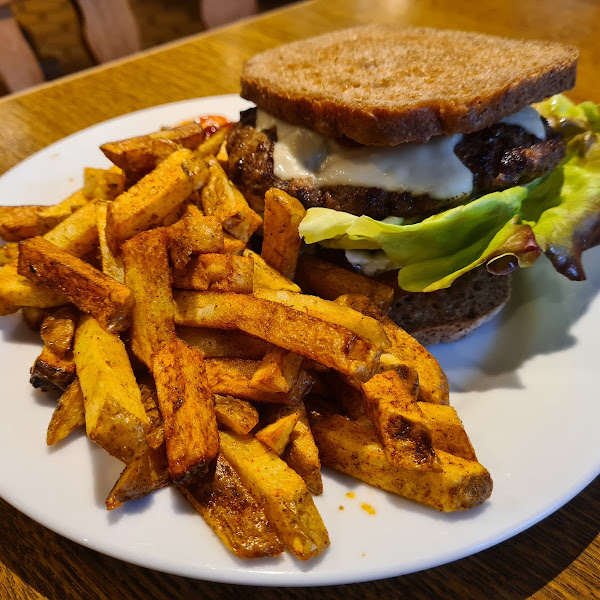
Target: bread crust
{"points": [[383, 86]]}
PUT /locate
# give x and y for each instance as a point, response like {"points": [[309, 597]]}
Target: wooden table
{"points": [[558, 558]]}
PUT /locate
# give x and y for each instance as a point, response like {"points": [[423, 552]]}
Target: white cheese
{"points": [[369, 262], [530, 120]]}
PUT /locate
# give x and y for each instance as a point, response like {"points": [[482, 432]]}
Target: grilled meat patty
{"points": [[499, 156]]}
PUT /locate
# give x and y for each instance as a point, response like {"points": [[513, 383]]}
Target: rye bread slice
{"points": [[451, 314], [383, 86]]}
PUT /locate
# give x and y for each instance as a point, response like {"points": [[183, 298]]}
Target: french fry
{"points": [[316, 276], [218, 272], [68, 415], [51, 216], [52, 371], [276, 435], [147, 274], [354, 449], [327, 343], [78, 233], [399, 422], [34, 316], [281, 241], [58, 329], [114, 414], [278, 371], [265, 276], [19, 222], [285, 497], [8, 253], [212, 145], [105, 184], [186, 406], [216, 343], [235, 414], [193, 234], [112, 264], [155, 434], [221, 199], [87, 288], [232, 376], [232, 513], [232, 245], [146, 204]]}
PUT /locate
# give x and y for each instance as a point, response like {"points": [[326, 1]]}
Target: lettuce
{"points": [[559, 215]]}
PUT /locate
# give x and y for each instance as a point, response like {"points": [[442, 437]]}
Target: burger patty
{"points": [[499, 157]]}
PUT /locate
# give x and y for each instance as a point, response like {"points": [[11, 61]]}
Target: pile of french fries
{"points": [[193, 356]]}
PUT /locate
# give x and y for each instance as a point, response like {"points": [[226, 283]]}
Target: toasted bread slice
{"points": [[383, 86]]}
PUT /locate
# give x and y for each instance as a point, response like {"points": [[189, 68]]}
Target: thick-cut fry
{"points": [[399, 422], [93, 292], [218, 272], [52, 371], [316, 276], [232, 245], [278, 371], [281, 242], [68, 415], [285, 497], [235, 414], [433, 383], [78, 233], [8, 253], [155, 434], [326, 343], [105, 184], [354, 449], [221, 199], [51, 216], [19, 222], [212, 145], [447, 431], [146, 473], [193, 234], [154, 197], [187, 409], [34, 316], [147, 274], [276, 435], [215, 343], [114, 414], [265, 276], [112, 264], [232, 513], [232, 376], [58, 329]]}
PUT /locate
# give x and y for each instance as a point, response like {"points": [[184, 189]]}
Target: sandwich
{"points": [[421, 161]]}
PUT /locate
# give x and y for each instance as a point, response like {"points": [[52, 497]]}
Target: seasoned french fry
{"points": [[114, 414], [278, 371], [231, 512], [232, 245], [34, 316], [215, 343], [19, 222], [87, 288], [212, 145], [154, 197], [8, 253], [112, 264], [265, 276], [399, 422], [276, 435], [235, 414], [187, 409], [78, 233], [52, 371], [353, 448], [147, 274], [155, 434], [68, 415], [232, 376], [327, 343], [58, 329], [281, 243], [146, 473], [105, 184], [51, 216], [316, 276], [285, 497], [218, 272]]}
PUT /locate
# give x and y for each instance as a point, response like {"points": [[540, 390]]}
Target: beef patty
{"points": [[499, 156]]}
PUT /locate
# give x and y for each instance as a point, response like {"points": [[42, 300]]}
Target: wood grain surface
{"points": [[558, 558]]}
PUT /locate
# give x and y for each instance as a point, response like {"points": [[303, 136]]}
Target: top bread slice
{"points": [[383, 86]]}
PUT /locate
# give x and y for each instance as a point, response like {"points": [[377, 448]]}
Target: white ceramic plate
{"points": [[525, 385]]}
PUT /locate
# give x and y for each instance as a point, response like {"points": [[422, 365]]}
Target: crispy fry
{"points": [[112, 264], [276, 435], [316, 276], [51, 216], [114, 414], [52, 371], [19, 222], [34, 316], [58, 329], [278, 371], [281, 243], [155, 434], [147, 274], [8, 253], [87, 288], [78, 233], [154, 197], [326, 343], [231, 512], [105, 184], [235, 414], [232, 245], [353, 448], [187, 409], [265, 276], [68, 415], [285, 497], [218, 272], [212, 144], [215, 343]]}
